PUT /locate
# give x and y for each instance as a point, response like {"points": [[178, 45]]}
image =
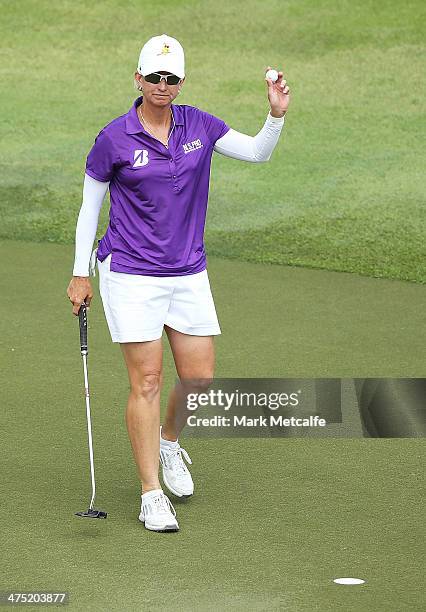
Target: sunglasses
{"points": [[155, 78]]}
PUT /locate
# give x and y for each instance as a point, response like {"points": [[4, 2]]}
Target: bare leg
{"points": [[194, 359], [144, 366]]}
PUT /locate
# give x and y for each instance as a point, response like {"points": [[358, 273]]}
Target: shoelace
{"points": [[163, 503], [174, 456]]}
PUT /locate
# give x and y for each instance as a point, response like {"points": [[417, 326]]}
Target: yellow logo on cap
{"points": [[165, 49]]}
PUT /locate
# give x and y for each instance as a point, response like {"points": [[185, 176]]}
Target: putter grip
{"points": [[82, 316]]}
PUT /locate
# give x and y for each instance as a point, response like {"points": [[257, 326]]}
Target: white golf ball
{"points": [[272, 74]]}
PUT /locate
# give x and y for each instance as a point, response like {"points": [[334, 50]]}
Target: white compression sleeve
{"points": [[251, 148], [93, 195]]}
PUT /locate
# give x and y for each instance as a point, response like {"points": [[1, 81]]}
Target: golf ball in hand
{"points": [[272, 74]]}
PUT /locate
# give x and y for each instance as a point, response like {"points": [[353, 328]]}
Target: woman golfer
{"points": [[155, 159]]}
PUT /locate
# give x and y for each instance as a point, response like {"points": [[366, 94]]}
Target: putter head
{"points": [[91, 513]]}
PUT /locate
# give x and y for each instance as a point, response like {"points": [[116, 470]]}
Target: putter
{"points": [[82, 315]]}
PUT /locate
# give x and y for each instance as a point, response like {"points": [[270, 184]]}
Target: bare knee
{"points": [[197, 384], [146, 385], [144, 367]]}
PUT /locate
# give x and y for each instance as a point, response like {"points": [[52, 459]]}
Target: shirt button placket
{"points": [[173, 173]]}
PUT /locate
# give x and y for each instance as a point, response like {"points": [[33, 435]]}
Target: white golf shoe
{"points": [[176, 475], [157, 512]]}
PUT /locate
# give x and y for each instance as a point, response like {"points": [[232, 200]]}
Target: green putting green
{"points": [[273, 521]]}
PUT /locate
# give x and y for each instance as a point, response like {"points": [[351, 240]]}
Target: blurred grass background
{"points": [[343, 189]]}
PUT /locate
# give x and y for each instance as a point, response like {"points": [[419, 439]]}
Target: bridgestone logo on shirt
{"points": [[192, 146], [140, 157]]}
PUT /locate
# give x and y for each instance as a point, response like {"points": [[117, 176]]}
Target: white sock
{"points": [[151, 493], [167, 443]]}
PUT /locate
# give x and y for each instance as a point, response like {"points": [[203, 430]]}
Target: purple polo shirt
{"points": [[158, 195]]}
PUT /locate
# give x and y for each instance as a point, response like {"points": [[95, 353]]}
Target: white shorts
{"points": [[137, 306]]}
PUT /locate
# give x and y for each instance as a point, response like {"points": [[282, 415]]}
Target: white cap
{"points": [[162, 53]]}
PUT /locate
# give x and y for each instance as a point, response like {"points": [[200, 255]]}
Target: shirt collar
{"points": [[133, 125]]}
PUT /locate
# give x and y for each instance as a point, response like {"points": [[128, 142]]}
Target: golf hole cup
{"points": [[349, 581]]}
